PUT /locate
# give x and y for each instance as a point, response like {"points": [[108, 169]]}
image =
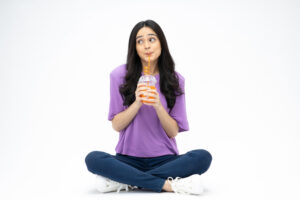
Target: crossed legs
{"points": [[104, 164]]}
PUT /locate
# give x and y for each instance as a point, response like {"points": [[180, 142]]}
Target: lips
{"points": [[148, 54]]}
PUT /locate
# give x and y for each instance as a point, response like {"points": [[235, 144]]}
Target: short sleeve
{"points": [[116, 100], [179, 110]]}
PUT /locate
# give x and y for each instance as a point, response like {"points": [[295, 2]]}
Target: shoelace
{"points": [[121, 185], [127, 187], [179, 186]]}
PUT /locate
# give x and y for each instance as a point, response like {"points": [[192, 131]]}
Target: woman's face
{"points": [[147, 44]]}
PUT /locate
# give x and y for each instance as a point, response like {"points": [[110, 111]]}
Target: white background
{"points": [[241, 63]]}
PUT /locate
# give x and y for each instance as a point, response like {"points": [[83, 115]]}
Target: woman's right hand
{"points": [[140, 90]]}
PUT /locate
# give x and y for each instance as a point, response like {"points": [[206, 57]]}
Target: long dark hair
{"points": [[169, 82]]}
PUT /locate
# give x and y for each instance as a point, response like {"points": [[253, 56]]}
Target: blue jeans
{"points": [[149, 173]]}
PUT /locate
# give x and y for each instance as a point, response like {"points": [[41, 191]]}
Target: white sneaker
{"points": [[107, 185], [188, 185]]}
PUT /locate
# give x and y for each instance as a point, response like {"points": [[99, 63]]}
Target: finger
{"points": [[152, 91], [148, 103], [141, 84], [139, 94], [149, 100], [151, 94], [143, 88], [144, 91]]}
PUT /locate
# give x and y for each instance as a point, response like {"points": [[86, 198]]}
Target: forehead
{"points": [[145, 31]]}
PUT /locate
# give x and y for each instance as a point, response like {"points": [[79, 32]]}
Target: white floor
{"points": [[238, 171]]}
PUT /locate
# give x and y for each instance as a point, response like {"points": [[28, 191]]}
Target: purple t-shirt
{"points": [[145, 136]]}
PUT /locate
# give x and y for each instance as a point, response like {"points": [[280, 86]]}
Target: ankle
{"points": [[167, 186]]}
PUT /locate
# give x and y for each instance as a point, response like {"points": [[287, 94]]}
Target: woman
{"points": [[146, 154]]}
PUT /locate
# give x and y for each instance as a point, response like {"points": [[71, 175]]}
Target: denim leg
{"points": [[192, 162], [106, 165]]}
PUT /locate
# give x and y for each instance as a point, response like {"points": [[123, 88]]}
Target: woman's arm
{"points": [[168, 123], [122, 119]]}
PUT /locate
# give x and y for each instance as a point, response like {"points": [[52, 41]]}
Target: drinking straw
{"points": [[147, 68], [149, 64], [148, 71]]}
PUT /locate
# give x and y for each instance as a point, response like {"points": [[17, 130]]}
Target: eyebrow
{"points": [[142, 35]]}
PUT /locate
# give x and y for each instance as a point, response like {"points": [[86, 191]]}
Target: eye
{"points": [[152, 39], [140, 41]]}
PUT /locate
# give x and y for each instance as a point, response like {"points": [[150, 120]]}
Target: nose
{"points": [[146, 45]]}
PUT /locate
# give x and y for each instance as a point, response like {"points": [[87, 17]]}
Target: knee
{"points": [[93, 158], [203, 159]]}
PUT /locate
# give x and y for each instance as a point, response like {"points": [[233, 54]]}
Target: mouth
{"points": [[148, 54]]}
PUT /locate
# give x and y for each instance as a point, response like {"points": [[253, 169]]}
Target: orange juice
{"points": [[151, 87]]}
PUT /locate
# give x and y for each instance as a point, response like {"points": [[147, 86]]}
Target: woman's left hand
{"points": [[154, 100]]}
